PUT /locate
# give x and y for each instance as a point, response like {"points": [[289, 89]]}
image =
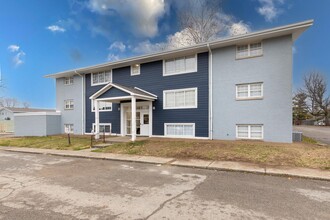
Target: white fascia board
{"points": [[295, 29], [36, 114]]}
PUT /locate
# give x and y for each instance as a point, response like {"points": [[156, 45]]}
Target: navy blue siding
{"points": [[113, 92], [152, 80]]}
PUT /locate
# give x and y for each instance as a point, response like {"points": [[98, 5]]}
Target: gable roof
{"points": [[129, 90], [22, 110], [295, 30]]}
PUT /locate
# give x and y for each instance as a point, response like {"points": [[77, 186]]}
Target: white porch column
{"points": [[150, 119], [133, 107], [97, 119]]}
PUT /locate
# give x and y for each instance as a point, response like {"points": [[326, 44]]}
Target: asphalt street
{"points": [[319, 133], [34, 186]]}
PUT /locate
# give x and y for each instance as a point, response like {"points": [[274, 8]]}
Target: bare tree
{"points": [[199, 20], [315, 87], [26, 104], [9, 102]]}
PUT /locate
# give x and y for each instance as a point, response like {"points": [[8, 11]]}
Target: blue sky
{"points": [[38, 37]]}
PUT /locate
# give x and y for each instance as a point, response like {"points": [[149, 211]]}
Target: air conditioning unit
{"points": [[297, 136]]}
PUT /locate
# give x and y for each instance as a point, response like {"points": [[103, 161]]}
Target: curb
{"points": [[200, 164]]}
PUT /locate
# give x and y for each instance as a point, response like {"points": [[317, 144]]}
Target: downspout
{"points": [[83, 102], [210, 92]]}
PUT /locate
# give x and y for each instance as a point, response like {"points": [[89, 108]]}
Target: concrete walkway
{"points": [[204, 164]]}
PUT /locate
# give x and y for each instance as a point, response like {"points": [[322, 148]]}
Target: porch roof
{"points": [[126, 93]]}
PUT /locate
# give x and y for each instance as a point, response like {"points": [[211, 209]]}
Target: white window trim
{"points": [[176, 136], [249, 51], [70, 82], [68, 100], [182, 72], [249, 91], [71, 126], [135, 74], [104, 83], [100, 109], [249, 132], [179, 90], [105, 125]]}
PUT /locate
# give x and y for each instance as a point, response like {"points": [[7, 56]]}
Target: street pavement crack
{"points": [[169, 200]]}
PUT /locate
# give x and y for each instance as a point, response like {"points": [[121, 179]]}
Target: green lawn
{"points": [[305, 154], [58, 142]]}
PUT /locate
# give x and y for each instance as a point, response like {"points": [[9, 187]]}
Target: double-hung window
{"points": [[103, 128], [68, 80], [101, 78], [103, 106], [180, 65], [179, 129], [68, 128], [135, 69], [249, 91], [68, 104], [249, 50], [180, 98], [249, 131]]}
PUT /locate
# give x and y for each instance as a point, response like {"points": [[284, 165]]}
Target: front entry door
{"points": [[144, 126]]}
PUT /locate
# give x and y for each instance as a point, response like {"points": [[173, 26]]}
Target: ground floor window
{"points": [[249, 131], [104, 128], [180, 129], [68, 128]]}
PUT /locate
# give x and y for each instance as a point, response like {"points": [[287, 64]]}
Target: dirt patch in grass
{"points": [[58, 142], [305, 154]]}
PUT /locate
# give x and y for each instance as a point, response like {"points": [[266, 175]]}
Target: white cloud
{"points": [[118, 45], [19, 54], [146, 46], [13, 48], [239, 29], [113, 57], [142, 16], [270, 9], [18, 58], [56, 28]]}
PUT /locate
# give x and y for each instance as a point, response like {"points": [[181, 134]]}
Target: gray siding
{"points": [[152, 80], [274, 111], [74, 91], [37, 125], [5, 113]]}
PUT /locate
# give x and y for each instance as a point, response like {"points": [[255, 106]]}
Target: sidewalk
{"points": [[204, 164]]}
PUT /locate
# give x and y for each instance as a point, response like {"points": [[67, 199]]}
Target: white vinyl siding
{"points": [[101, 78], [180, 65], [249, 91], [103, 106], [68, 80], [68, 104], [249, 50], [249, 131], [180, 98], [135, 69], [179, 129], [68, 128], [103, 128]]}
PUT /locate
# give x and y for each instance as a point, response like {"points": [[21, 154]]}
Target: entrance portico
{"points": [[135, 109]]}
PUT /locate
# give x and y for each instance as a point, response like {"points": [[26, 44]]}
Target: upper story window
{"points": [[180, 98], [68, 104], [68, 80], [180, 65], [103, 106], [249, 91], [249, 50], [135, 69], [101, 78]]}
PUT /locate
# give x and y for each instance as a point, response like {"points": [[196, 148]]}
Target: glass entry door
{"points": [[129, 122]]}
